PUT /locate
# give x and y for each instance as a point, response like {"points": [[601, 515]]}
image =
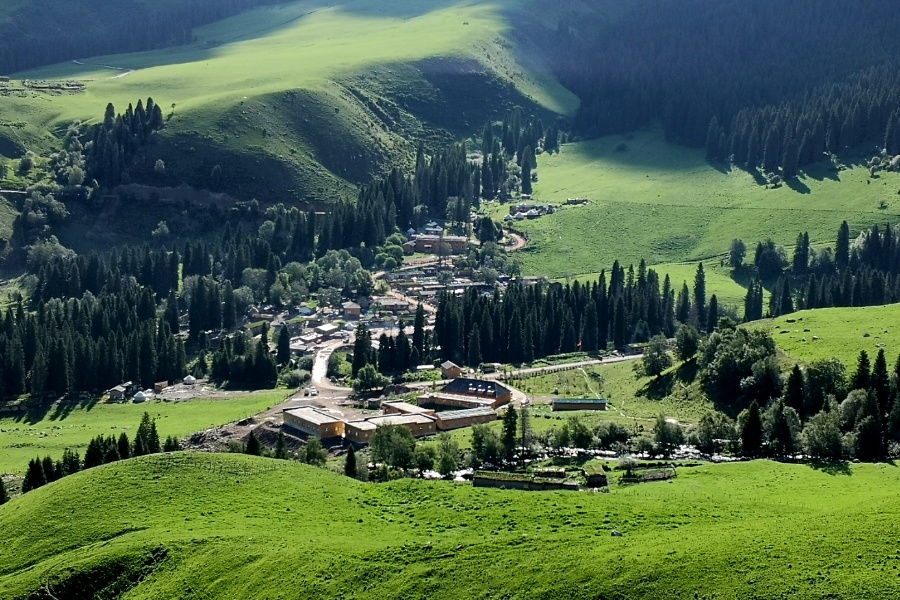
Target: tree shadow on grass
{"points": [[833, 468], [798, 186], [63, 409], [658, 388]]}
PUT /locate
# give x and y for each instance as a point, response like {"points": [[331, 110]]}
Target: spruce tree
{"points": [[795, 390], [712, 317], [34, 476], [475, 347], [861, 379], [752, 432], [510, 423], [881, 382], [842, 248], [283, 346], [124, 446], [281, 446], [350, 463], [252, 446]]}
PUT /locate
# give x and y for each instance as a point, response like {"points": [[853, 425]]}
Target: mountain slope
{"points": [[307, 100], [233, 526]]}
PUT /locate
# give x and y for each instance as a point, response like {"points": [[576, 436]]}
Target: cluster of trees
{"points": [[542, 320], [100, 450], [861, 272], [111, 144], [816, 409], [395, 354], [88, 344], [775, 100], [395, 446], [865, 108], [43, 33], [241, 360]]}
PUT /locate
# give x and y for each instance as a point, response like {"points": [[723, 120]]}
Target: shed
{"points": [[450, 370], [579, 404], [117, 393]]}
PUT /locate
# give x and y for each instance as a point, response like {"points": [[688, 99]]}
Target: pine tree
{"points": [[475, 347], [683, 311], [283, 346], [510, 423], [881, 382], [752, 432], [124, 446], [795, 390], [842, 249], [861, 379], [252, 446], [34, 476], [712, 317], [281, 446], [350, 463]]}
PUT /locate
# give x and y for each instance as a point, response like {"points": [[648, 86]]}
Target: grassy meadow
{"points": [[304, 99], [841, 333], [664, 203], [22, 438], [757, 529]]}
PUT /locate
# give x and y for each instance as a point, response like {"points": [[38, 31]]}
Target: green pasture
{"points": [[837, 332], [664, 203], [229, 526], [27, 436], [298, 45]]}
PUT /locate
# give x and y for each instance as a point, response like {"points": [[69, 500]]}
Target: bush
{"points": [[25, 164], [295, 378]]}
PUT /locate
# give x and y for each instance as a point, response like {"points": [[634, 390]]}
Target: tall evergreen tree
{"points": [[350, 462], [283, 346], [752, 432], [281, 446], [252, 447], [842, 249], [861, 379]]}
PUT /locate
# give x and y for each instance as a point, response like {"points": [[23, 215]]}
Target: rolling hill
{"points": [[232, 526], [304, 100]]}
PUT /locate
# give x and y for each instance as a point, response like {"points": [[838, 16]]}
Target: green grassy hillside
{"points": [[305, 99], [25, 437], [837, 332], [263, 528], [664, 203]]}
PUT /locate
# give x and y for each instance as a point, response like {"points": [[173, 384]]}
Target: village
{"points": [[437, 398]]}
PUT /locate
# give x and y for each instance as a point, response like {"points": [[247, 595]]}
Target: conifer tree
{"points": [[124, 446], [252, 446], [752, 432], [510, 427], [795, 390], [861, 379], [281, 446], [712, 317], [283, 347], [350, 463], [842, 249]]}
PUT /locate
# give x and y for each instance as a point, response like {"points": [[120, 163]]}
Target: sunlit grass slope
{"points": [[664, 203], [232, 526], [282, 97], [23, 438], [838, 332]]}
